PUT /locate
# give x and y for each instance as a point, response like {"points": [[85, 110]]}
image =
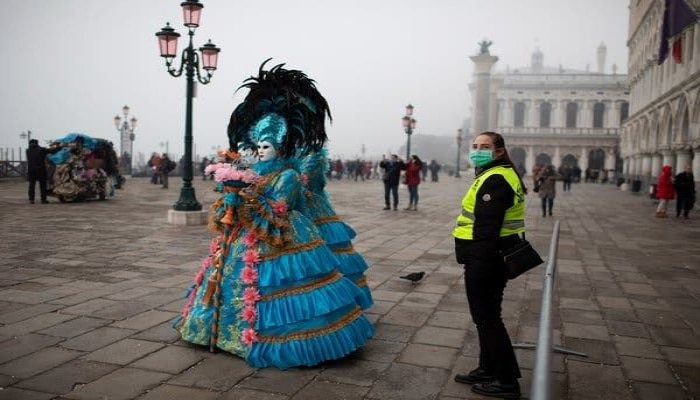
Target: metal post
{"points": [[409, 131], [188, 200], [543, 350]]}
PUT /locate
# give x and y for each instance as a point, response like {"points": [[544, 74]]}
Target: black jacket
{"points": [[392, 170], [36, 161]]}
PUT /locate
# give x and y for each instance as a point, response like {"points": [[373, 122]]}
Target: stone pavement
{"points": [[88, 290]]}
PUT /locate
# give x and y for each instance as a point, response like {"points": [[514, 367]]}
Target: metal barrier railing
{"points": [[543, 349]]}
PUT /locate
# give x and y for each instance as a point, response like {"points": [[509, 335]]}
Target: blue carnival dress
{"points": [[337, 234], [271, 291]]}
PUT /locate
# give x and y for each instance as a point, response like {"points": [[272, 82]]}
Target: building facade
{"points": [[558, 116], [663, 127]]}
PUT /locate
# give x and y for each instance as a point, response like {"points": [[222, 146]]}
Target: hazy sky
{"points": [[70, 66]]}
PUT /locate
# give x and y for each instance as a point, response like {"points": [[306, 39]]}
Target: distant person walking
{"points": [[414, 169], [166, 166], [392, 174], [684, 183], [36, 170], [547, 180], [567, 175], [664, 191], [202, 166], [434, 168], [154, 164]]}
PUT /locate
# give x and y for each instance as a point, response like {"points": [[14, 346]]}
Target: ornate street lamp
{"points": [[26, 135], [459, 151], [126, 139], [409, 124], [189, 62]]}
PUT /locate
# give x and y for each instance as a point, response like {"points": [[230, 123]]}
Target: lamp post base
{"points": [[187, 217], [188, 200]]}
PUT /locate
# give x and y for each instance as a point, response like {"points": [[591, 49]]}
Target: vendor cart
{"points": [[84, 168]]}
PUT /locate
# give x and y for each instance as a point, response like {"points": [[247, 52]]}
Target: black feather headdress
{"points": [[290, 94]]}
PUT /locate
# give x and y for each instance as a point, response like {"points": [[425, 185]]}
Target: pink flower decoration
{"points": [[251, 296], [214, 246], [249, 336], [304, 179], [212, 168], [251, 257], [228, 172], [249, 314], [250, 239], [279, 207], [249, 275]]}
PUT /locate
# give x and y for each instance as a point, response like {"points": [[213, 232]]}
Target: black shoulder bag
{"points": [[520, 258]]}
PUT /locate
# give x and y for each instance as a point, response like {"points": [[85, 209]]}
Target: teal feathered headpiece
{"points": [[283, 105]]}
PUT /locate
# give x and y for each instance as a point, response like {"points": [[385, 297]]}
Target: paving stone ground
{"points": [[88, 290]]}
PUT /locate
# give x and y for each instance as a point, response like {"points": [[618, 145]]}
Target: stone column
{"points": [[682, 159], [530, 159], [535, 113], [556, 158], [501, 114], [507, 113], [482, 82], [626, 166], [668, 158], [656, 161], [555, 116], [610, 159], [612, 109], [583, 160], [646, 166], [696, 165]]}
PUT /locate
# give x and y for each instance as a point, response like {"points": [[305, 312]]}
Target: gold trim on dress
{"points": [[338, 325], [326, 280], [292, 249], [325, 220]]}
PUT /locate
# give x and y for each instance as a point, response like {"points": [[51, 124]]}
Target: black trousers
{"points": [[684, 203], [394, 189], [42, 187], [485, 281]]}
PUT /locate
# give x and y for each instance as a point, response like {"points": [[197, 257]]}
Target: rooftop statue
{"points": [[484, 46]]}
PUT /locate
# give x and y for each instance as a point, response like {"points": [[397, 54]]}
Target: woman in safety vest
{"points": [[492, 217]]}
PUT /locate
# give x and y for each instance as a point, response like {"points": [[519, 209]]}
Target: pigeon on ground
{"points": [[414, 277]]}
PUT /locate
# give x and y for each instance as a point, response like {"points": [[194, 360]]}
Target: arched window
{"points": [[571, 111], [598, 113], [624, 112], [519, 115], [545, 115]]}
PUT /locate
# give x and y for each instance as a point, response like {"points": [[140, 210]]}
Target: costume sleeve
{"points": [[494, 197]]}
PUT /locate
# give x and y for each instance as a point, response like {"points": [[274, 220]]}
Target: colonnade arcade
{"points": [[668, 134], [596, 157]]}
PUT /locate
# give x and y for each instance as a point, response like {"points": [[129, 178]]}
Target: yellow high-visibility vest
{"points": [[514, 221]]}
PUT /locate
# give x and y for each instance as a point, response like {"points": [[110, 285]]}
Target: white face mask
{"points": [[266, 151]]}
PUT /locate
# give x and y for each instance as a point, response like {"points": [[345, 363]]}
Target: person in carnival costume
{"points": [[271, 290]]}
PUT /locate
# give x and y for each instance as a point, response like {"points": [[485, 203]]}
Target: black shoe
{"points": [[395, 208], [44, 201], [387, 208], [478, 375], [31, 201], [498, 389]]}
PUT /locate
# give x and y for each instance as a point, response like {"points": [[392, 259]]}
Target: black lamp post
{"points": [[189, 62], [409, 124], [459, 151], [126, 138]]}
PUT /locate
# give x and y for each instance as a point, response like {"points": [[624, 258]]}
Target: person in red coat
{"points": [[664, 190], [413, 170]]}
